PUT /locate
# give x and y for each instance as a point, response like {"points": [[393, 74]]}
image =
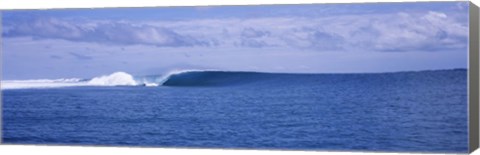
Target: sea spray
{"points": [[115, 79]]}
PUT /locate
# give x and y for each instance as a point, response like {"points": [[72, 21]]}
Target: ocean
{"points": [[421, 111]]}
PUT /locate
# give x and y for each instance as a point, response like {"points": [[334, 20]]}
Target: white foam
{"points": [[23, 84], [46, 80], [150, 84], [115, 79]]}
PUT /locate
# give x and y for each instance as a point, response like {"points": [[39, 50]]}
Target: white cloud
{"points": [[428, 31]]}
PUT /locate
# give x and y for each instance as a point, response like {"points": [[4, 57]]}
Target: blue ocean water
{"points": [[406, 111]]}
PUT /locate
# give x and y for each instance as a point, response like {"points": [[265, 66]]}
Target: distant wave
{"points": [[191, 78]]}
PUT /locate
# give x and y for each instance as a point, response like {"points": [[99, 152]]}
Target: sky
{"points": [[313, 38]]}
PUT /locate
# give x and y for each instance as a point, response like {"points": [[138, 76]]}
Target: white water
{"points": [[114, 79], [43, 83]]}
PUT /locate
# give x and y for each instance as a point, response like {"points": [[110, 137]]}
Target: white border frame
{"points": [[82, 150]]}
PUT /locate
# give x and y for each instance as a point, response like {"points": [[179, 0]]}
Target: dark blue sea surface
{"points": [[406, 111]]}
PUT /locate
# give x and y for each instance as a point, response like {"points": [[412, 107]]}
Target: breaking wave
{"points": [[114, 79], [192, 78]]}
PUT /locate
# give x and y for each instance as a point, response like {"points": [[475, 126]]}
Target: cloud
{"points": [[100, 32], [252, 43], [252, 33], [431, 31], [80, 56], [56, 57], [251, 37], [401, 31]]}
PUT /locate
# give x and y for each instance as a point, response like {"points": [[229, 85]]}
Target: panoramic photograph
{"points": [[388, 77]]}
